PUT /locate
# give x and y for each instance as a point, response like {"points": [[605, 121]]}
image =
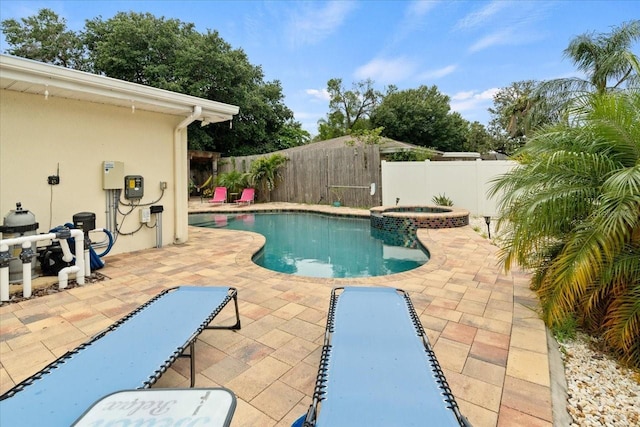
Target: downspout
{"points": [[180, 186]]}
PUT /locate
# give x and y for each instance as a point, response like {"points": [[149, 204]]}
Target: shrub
{"points": [[442, 200]]}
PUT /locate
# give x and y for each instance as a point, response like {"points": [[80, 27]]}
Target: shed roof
{"points": [[28, 76]]}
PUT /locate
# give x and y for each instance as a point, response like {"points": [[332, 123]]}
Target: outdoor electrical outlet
{"points": [[163, 185], [53, 180]]}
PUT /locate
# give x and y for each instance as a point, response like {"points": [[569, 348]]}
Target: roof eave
{"points": [[109, 90]]}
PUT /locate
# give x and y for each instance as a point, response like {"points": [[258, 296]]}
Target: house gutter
{"points": [[181, 199]]}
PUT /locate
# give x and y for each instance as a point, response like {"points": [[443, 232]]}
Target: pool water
{"points": [[315, 245]]}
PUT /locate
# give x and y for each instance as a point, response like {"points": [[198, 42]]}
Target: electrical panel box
{"points": [[112, 175], [145, 215], [133, 187]]}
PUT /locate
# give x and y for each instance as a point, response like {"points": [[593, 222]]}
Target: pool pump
{"points": [[18, 223]]}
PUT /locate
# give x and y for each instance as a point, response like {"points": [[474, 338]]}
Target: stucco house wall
{"points": [[38, 136], [55, 120]]}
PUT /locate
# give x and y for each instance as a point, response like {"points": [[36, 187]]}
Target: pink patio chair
{"points": [[246, 197], [219, 195]]}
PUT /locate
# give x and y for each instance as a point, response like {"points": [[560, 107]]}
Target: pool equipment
{"points": [[18, 223], [86, 221], [53, 258], [26, 243]]}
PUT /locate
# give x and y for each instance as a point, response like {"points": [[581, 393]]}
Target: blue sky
{"points": [[468, 49]]}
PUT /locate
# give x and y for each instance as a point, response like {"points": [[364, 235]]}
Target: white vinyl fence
{"points": [[466, 183]]}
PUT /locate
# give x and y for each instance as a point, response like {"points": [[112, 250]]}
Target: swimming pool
{"points": [[316, 245]]}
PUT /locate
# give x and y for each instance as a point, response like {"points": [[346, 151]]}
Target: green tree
{"points": [[139, 48], [266, 172], [571, 212], [422, 117], [348, 109], [291, 135], [511, 119], [478, 139], [607, 61], [331, 127], [44, 37], [456, 132]]}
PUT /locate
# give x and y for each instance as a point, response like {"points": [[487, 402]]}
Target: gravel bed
{"points": [[600, 392]]}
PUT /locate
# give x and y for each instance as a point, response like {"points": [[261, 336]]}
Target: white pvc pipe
{"points": [[4, 284], [67, 256], [82, 260], [79, 236], [87, 263], [63, 275], [30, 239], [4, 275]]}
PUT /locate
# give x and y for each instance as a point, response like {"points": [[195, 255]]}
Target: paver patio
{"points": [[481, 322]]}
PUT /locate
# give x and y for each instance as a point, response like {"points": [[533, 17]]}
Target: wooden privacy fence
{"points": [[323, 175]]}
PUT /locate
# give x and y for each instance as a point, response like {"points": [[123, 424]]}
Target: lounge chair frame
{"points": [[320, 390], [156, 372]]}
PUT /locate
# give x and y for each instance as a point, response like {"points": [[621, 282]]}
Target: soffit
{"points": [[27, 76]]}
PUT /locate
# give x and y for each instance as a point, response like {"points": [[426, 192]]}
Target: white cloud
{"points": [[386, 70], [419, 8], [413, 20], [498, 38], [321, 94], [436, 74], [509, 36], [311, 25], [463, 95], [482, 16], [473, 100]]}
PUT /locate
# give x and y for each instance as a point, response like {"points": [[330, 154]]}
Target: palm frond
{"points": [[621, 322]]}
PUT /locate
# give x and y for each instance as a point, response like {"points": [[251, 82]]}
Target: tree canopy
{"points": [[422, 117], [45, 38], [348, 109], [511, 119]]}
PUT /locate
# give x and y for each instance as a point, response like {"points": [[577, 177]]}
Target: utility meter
{"points": [[133, 187]]}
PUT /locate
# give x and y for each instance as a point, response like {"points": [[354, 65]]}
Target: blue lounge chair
{"points": [[131, 354], [377, 367]]}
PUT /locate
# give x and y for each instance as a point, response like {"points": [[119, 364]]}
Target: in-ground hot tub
{"points": [[410, 218]]}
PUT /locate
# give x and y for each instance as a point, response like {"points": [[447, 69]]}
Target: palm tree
{"points": [[607, 61], [234, 180], [571, 212], [266, 171]]}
